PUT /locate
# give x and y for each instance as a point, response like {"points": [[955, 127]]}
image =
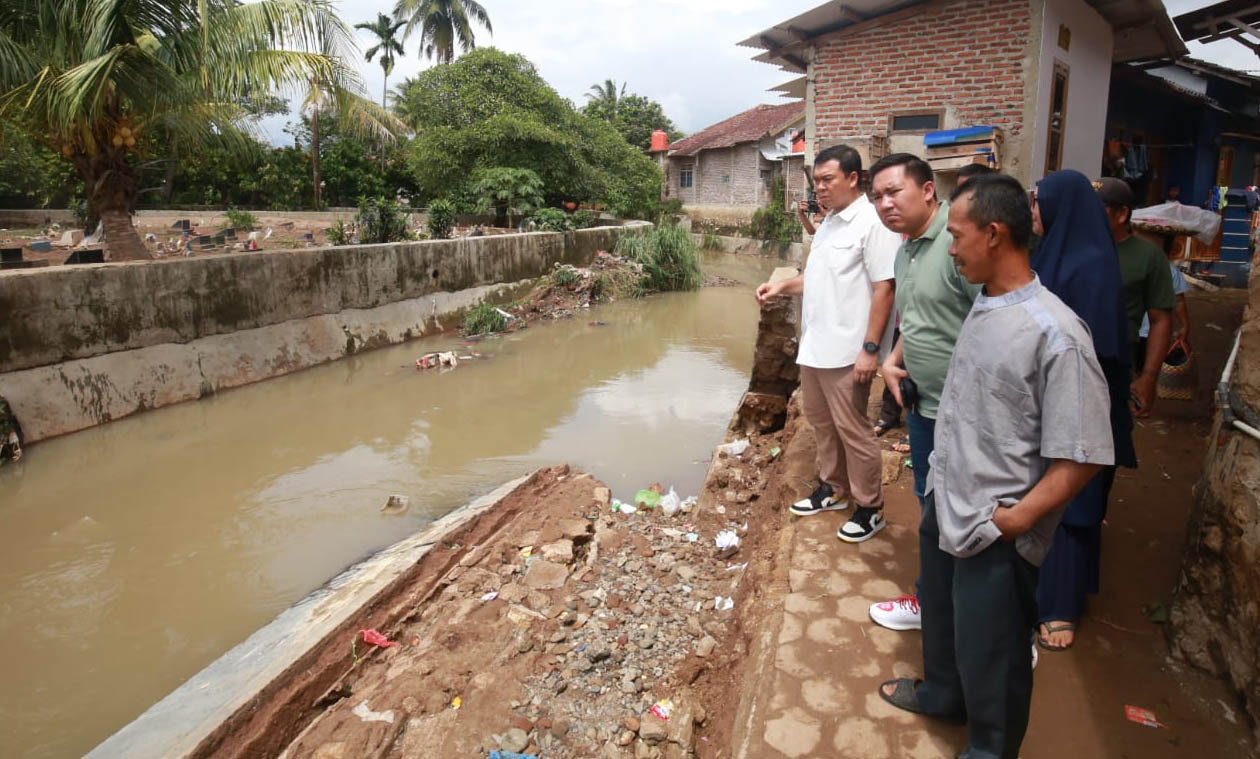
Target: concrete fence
{"points": [[84, 345]]}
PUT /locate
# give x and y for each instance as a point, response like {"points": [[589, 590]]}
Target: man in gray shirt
{"points": [[1023, 424]]}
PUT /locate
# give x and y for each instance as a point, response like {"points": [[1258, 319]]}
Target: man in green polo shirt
{"points": [[1148, 291], [933, 300]]}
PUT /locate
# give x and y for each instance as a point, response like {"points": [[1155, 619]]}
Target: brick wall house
{"points": [[731, 164], [1037, 69]]}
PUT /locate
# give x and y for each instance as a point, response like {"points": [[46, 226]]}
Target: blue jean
{"points": [[922, 440]]}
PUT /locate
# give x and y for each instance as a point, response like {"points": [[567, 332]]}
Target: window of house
{"points": [[916, 121], [1058, 118], [684, 177]]}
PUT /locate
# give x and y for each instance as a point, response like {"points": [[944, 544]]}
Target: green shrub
{"points": [[774, 222], [585, 218], [484, 319], [711, 242], [441, 220], [552, 220], [379, 220], [668, 254], [339, 233], [565, 276], [242, 219], [669, 211]]}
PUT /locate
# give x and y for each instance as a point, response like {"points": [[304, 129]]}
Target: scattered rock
{"points": [[651, 728], [705, 646], [515, 739], [560, 551], [626, 738], [603, 496], [546, 575]]}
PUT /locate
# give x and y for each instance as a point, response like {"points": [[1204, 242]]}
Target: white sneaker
{"points": [[898, 614]]}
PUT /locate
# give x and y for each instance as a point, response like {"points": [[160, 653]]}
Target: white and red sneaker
{"points": [[898, 614]]}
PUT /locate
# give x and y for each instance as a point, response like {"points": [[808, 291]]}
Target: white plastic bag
{"points": [[734, 448], [670, 503], [1201, 223]]}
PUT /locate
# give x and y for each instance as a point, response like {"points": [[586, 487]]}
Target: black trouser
{"points": [[978, 616]]}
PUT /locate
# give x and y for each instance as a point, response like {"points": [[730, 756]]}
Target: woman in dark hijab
{"points": [[1077, 261]]}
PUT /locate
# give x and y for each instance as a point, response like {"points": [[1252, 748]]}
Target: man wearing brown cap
{"points": [[1148, 291]]}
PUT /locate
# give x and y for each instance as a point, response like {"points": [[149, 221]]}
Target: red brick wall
{"points": [[967, 55]]}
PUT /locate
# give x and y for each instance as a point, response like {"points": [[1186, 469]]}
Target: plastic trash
{"points": [[736, 567], [372, 637], [663, 708], [671, 503], [735, 448], [648, 499], [624, 508], [727, 539], [723, 604], [692, 537], [457, 702], [490, 596], [365, 713], [775, 451], [688, 504], [1141, 716], [499, 753], [397, 504]]}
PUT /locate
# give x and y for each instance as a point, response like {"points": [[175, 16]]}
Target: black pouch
{"points": [[909, 394]]}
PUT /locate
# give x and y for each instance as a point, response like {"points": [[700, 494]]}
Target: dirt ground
{"points": [[274, 233]]}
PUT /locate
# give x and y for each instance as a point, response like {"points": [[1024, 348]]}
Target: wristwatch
{"points": [[870, 347]]}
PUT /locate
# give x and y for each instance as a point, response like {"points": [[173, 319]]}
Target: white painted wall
{"points": [[1089, 62]]}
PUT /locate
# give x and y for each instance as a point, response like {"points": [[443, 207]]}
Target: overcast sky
{"points": [[679, 53]]}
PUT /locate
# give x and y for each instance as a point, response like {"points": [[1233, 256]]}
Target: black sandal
{"points": [[883, 426], [905, 696]]}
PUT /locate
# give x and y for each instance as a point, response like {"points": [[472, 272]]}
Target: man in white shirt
{"points": [[847, 290]]}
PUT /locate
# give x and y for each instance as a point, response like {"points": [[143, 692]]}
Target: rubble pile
{"points": [[579, 629]]}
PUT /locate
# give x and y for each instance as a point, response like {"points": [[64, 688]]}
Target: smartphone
{"points": [[813, 204]]}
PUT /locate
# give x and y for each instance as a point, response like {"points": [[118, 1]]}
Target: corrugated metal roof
{"points": [[1141, 28]]}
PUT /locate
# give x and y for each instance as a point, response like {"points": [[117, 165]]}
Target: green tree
{"points": [[490, 109], [604, 98], [90, 77], [329, 96], [634, 116], [509, 192], [31, 174], [442, 24], [386, 44]]}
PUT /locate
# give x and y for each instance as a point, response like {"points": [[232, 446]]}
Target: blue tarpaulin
{"points": [[953, 136]]}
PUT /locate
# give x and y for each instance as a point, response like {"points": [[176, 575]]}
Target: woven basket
{"points": [[1179, 374]]}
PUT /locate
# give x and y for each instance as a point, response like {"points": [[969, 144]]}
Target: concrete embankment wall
{"points": [[793, 252], [84, 345], [1216, 611]]}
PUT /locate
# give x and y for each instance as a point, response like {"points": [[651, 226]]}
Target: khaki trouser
{"points": [[849, 459]]}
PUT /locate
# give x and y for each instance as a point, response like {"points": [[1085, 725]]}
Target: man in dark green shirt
{"points": [[1148, 291]]}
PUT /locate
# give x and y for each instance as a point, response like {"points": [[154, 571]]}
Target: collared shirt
{"points": [[933, 299], [851, 251], [1024, 388]]}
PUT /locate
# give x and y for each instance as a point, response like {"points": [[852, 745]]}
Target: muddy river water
{"points": [[134, 554]]}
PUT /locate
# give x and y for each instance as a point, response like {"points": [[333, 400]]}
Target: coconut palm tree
{"points": [[98, 79], [356, 114], [442, 23], [386, 44], [604, 97]]}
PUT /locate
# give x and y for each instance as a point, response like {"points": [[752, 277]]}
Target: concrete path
{"points": [[827, 659]]}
